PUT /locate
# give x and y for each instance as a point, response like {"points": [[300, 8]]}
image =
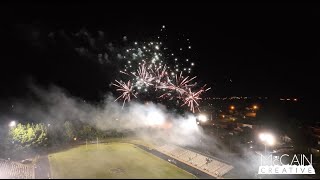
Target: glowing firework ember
{"points": [[147, 67]]}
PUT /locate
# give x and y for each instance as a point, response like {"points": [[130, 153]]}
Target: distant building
{"points": [[251, 114], [247, 124], [314, 131], [285, 139]]}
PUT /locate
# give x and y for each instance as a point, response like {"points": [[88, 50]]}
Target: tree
{"points": [[87, 132], [28, 136], [69, 130]]}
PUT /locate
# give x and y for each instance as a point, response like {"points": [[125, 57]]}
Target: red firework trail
{"points": [[126, 89], [192, 98], [181, 84], [159, 75]]}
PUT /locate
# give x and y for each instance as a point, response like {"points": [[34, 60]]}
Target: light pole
{"points": [[230, 144]]}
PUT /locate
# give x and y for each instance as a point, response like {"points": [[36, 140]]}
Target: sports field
{"points": [[111, 160]]}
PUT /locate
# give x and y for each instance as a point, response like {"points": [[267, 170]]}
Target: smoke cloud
{"points": [[55, 106]]}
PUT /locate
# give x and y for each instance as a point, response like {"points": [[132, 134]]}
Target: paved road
{"points": [[190, 169], [42, 170]]}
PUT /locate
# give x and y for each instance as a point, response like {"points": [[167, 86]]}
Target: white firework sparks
{"points": [[147, 67]]}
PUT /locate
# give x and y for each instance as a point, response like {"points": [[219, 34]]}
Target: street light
{"points": [[12, 124], [255, 107], [232, 107], [267, 139]]}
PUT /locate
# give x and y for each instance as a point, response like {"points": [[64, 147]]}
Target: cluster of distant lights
{"points": [[147, 65], [234, 97], [252, 107], [288, 99], [240, 98]]}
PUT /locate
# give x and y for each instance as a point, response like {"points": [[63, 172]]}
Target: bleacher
{"points": [[226, 169], [209, 165], [178, 152], [166, 148], [199, 160], [188, 156], [14, 170]]}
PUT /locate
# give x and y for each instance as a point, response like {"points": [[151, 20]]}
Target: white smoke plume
{"points": [[54, 106]]}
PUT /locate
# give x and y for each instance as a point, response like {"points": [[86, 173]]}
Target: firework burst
{"points": [[143, 77], [126, 89], [181, 84], [191, 98], [147, 66]]}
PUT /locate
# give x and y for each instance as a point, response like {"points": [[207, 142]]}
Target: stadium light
{"points": [[267, 139], [202, 118], [12, 124], [155, 118]]}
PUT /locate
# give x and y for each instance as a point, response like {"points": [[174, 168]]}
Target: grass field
{"points": [[112, 160]]}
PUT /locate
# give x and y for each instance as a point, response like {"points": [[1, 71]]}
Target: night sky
{"points": [[239, 49]]}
